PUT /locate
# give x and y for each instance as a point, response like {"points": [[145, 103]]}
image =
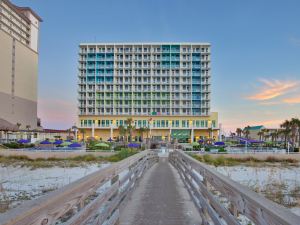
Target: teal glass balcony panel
{"points": [[196, 97], [196, 72], [100, 56], [109, 79], [196, 112], [175, 48], [91, 66], [100, 65], [165, 65], [109, 56], [91, 72], [196, 80], [109, 64], [165, 57], [175, 65], [91, 56], [100, 71], [90, 79], [99, 79], [175, 57], [196, 57], [109, 71], [165, 48]]}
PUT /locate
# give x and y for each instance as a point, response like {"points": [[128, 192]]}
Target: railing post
{"points": [[233, 209], [204, 210]]}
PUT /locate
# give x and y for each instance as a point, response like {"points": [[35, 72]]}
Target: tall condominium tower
{"points": [[19, 34], [164, 87]]}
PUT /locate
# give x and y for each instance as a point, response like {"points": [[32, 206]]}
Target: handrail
{"points": [[93, 199], [204, 184]]}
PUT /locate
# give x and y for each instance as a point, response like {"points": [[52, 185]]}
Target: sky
{"points": [[255, 51]]}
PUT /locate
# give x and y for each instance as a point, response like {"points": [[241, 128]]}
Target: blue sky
{"points": [[255, 50]]}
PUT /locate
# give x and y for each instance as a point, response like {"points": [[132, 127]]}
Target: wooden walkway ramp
{"points": [[160, 198]]}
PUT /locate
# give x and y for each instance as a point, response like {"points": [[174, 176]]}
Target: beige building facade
{"points": [[19, 28]]}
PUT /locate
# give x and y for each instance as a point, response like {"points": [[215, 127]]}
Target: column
{"points": [[192, 130], [170, 126], [111, 132], [93, 130]]}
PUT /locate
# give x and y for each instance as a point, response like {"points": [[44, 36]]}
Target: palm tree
{"points": [[141, 131], [295, 130], [122, 132], [69, 133], [239, 132], [286, 125], [147, 130], [265, 134], [209, 132], [274, 136], [260, 134], [5, 130], [18, 125], [246, 132], [130, 128], [28, 128], [83, 133]]}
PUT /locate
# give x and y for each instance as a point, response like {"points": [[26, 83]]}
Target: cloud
{"points": [[272, 89], [292, 100], [295, 41]]}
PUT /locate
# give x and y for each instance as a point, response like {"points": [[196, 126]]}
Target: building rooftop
{"points": [[254, 127], [146, 43], [21, 11]]}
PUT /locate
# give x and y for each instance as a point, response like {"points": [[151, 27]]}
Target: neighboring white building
{"points": [[19, 37]]}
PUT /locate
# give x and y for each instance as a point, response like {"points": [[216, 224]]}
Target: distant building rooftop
{"points": [[254, 127]]}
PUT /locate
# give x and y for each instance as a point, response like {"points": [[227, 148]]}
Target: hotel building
{"points": [[165, 87], [19, 34]]}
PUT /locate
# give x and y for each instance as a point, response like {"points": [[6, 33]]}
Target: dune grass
{"points": [[248, 161], [25, 161]]}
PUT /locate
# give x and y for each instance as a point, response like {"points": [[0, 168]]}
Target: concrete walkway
{"points": [[160, 199]]}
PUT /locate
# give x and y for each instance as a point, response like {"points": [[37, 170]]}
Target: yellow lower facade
{"points": [[186, 128]]}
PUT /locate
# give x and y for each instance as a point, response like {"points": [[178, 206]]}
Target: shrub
{"points": [[124, 153], [15, 145], [87, 158]]}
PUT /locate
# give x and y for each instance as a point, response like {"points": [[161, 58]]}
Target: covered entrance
{"points": [[181, 135]]}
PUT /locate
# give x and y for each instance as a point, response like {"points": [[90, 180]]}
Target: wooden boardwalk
{"points": [[145, 189], [160, 198]]}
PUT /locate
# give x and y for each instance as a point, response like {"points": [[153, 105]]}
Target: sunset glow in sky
{"points": [[255, 51]]}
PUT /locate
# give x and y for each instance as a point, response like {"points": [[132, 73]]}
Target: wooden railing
{"points": [[221, 200], [94, 199]]}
